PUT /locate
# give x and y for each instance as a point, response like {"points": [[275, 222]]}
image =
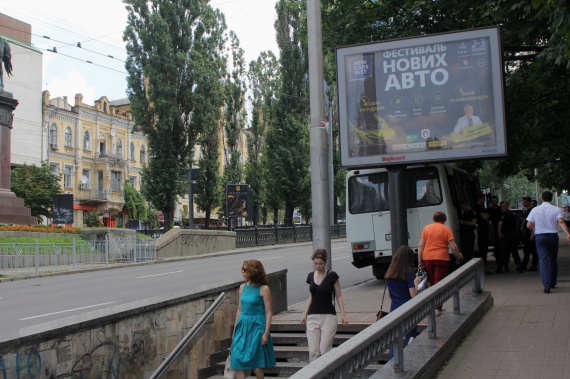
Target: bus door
{"points": [[382, 236]]}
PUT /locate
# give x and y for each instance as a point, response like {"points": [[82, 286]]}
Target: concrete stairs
{"points": [[291, 351]]}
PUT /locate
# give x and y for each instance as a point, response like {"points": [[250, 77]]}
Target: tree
{"points": [[536, 63], [91, 220], [287, 149], [36, 185], [134, 202], [174, 50], [263, 79], [208, 181], [234, 119]]}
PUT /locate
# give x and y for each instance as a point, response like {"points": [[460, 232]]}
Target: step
{"points": [[293, 326], [300, 339]]}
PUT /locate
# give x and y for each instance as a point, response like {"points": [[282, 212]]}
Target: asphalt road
{"points": [[25, 303]]}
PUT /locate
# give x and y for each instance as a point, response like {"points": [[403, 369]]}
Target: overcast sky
{"points": [[98, 26]]}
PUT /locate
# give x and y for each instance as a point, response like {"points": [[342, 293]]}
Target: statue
{"points": [[6, 58]]}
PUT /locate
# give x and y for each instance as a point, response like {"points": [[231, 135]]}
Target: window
{"points": [[143, 154], [368, 193], [53, 135], [102, 145], [132, 151], [68, 137], [86, 141], [54, 168], [119, 147], [85, 179], [67, 174], [133, 180], [115, 181]]}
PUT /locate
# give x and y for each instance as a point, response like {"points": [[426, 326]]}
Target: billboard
{"points": [[62, 211], [430, 98], [236, 200]]}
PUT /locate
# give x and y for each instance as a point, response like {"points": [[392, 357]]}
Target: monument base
{"points": [[12, 209]]}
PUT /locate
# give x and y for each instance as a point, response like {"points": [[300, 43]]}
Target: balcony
{"points": [[93, 197], [111, 158]]}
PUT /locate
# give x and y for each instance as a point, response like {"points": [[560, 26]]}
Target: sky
{"points": [[98, 26]]}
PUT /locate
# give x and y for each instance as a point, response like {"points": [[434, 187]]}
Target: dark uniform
{"points": [[467, 235], [529, 248], [483, 229], [508, 243]]}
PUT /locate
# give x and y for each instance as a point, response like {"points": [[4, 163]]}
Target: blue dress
{"points": [[247, 351]]}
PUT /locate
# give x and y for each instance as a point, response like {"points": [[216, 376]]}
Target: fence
{"points": [[78, 254], [268, 235]]}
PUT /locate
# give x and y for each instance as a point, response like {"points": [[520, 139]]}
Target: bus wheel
{"points": [[379, 269]]}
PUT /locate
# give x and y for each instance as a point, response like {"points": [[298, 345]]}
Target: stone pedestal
{"points": [[12, 210]]}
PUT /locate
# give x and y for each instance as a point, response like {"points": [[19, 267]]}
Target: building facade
{"points": [[96, 150], [25, 84]]}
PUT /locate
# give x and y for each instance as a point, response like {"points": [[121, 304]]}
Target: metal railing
{"points": [[78, 254], [267, 235], [188, 337], [362, 349]]}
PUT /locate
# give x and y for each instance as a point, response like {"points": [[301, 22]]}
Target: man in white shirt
{"points": [[467, 120], [543, 222]]}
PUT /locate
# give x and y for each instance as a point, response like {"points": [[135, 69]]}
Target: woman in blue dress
{"points": [[401, 284], [252, 348]]}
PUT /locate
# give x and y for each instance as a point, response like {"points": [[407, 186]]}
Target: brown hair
{"points": [[401, 263], [439, 217], [255, 272], [320, 254]]}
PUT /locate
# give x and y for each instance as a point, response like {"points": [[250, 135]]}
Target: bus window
{"points": [[425, 183], [368, 193]]}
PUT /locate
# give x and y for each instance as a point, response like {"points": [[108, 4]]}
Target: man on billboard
{"points": [[468, 120]]}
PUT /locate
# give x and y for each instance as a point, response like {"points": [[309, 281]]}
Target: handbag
{"points": [[229, 373], [382, 313], [425, 280]]}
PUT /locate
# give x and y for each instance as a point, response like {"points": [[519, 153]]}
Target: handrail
{"points": [[360, 350], [188, 337]]}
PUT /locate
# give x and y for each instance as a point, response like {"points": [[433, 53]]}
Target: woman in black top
{"points": [[320, 314]]}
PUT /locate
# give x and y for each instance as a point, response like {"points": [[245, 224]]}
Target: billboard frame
{"points": [[487, 140]]}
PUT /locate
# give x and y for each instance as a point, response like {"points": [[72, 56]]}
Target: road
{"points": [[26, 303]]}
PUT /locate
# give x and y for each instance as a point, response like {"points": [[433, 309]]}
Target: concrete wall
{"points": [[130, 340], [188, 242]]}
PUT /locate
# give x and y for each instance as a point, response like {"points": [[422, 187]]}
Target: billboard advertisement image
{"points": [[236, 200], [430, 98]]}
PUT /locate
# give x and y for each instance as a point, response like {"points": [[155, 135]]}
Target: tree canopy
{"points": [[535, 38], [174, 51], [36, 185]]}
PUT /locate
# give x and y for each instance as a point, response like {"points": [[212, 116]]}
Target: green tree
{"points": [[91, 220], [208, 181], [287, 149], [174, 50], [36, 185], [234, 119], [134, 202], [536, 63], [263, 82]]}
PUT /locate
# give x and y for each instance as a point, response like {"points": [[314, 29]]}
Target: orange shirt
{"points": [[437, 237]]}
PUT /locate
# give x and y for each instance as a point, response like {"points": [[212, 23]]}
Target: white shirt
{"points": [[545, 218], [463, 122]]}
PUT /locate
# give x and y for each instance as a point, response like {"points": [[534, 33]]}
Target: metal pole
{"points": [[74, 253], [190, 196], [536, 185], [331, 170], [319, 157], [37, 257]]}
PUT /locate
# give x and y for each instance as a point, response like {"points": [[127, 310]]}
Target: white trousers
{"points": [[321, 330]]}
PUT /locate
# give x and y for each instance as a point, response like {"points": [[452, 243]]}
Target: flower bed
{"points": [[38, 228]]}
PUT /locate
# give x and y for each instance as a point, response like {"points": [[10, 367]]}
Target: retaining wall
{"points": [[129, 341], [189, 242]]}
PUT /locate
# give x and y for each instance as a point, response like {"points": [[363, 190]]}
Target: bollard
{"points": [[106, 249], [74, 257], [37, 257]]}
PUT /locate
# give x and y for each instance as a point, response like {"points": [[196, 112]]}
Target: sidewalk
{"points": [[526, 334]]}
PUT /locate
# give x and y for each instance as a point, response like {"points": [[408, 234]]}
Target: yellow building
{"points": [[93, 146]]}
